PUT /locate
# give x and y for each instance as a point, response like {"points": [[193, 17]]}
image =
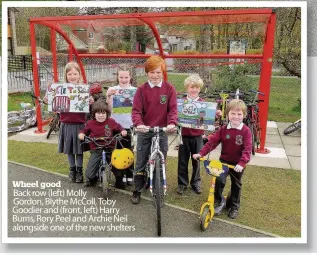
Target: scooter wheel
{"points": [[205, 218]]}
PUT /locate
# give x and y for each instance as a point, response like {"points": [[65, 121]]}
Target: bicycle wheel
{"points": [[257, 136], [158, 194], [53, 126], [106, 178], [253, 138], [205, 218], [293, 127]]}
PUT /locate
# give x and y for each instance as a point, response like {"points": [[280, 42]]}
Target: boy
{"points": [[154, 104], [192, 142], [101, 126], [236, 141]]}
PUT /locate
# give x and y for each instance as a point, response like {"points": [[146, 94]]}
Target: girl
{"points": [[71, 123], [124, 80]]}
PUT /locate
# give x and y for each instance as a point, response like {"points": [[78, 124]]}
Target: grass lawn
{"points": [[15, 99], [270, 201], [284, 95]]}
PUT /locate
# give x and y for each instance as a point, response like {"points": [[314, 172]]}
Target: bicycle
{"points": [[293, 127], [252, 119], [53, 122], [155, 173], [104, 170], [214, 168], [38, 102]]}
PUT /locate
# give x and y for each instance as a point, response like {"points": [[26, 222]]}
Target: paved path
{"points": [[285, 150], [176, 222]]}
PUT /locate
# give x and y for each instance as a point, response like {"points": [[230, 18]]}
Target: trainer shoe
{"points": [[219, 206]]}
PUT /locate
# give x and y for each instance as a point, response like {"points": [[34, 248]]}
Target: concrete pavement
{"points": [[285, 150]]}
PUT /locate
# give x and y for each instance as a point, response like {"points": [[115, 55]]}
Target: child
{"points": [[124, 82], [236, 141], [154, 104], [102, 125], [71, 123], [192, 142]]}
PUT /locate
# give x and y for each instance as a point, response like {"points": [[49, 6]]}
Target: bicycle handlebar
{"points": [[23, 77], [39, 99], [89, 139], [257, 92]]}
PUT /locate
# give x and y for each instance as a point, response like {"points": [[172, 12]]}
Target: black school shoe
{"points": [[136, 197], [119, 185], [233, 213], [90, 183], [197, 189], [181, 189]]}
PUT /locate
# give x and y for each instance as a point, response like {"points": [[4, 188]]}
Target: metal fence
{"points": [[104, 70]]}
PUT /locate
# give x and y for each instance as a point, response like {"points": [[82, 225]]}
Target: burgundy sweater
{"points": [[236, 145], [94, 128], [192, 131], [155, 106], [72, 117]]}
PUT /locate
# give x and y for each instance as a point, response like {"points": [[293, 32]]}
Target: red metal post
{"points": [[70, 53], [53, 49], [158, 40], [36, 79], [265, 80]]}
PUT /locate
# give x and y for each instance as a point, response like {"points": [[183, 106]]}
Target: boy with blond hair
{"points": [[236, 141], [192, 142]]}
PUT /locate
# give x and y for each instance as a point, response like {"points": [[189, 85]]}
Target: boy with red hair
{"points": [[154, 104]]}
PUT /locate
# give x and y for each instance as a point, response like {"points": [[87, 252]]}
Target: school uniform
{"points": [[192, 144], [153, 105], [236, 149]]}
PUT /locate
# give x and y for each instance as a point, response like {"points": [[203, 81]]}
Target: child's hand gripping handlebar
{"points": [[217, 168]]}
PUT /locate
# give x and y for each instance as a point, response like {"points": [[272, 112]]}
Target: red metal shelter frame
{"points": [[265, 15]]}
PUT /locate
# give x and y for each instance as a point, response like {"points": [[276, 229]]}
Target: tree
{"points": [[288, 40], [42, 33]]}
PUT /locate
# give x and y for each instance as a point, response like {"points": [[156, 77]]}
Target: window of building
{"points": [[91, 35]]}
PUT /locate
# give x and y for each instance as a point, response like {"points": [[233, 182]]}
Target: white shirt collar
{"points": [[189, 99], [238, 127], [158, 85]]}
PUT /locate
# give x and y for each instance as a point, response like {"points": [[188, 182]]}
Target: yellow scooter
{"points": [[214, 168]]}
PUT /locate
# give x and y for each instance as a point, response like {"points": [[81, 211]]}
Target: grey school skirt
{"points": [[68, 142]]}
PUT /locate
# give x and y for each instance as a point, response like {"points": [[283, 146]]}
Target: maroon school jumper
{"points": [[72, 117], [155, 106], [101, 129], [236, 145]]}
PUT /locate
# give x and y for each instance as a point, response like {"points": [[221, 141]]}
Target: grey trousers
{"points": [[143, 150], [94, 163]]}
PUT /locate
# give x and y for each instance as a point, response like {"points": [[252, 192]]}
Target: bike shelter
{"points": [[108, 40]]}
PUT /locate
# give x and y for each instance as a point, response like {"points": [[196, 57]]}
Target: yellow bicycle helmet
{"points": [[122, 158]]}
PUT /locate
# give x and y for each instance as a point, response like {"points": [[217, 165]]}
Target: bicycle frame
{"points": [[104, 171], [155, 150], [252, 120]]}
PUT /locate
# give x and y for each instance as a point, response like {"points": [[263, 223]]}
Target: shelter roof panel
{"points": [[167, 18]]}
